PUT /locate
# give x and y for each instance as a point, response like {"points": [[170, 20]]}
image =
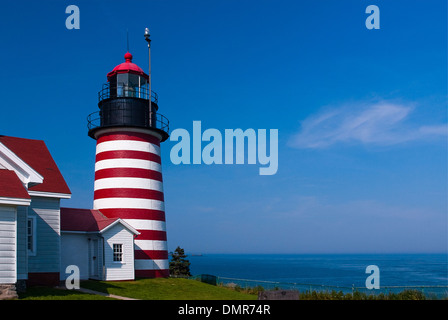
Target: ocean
{"points": [[341, 272]]}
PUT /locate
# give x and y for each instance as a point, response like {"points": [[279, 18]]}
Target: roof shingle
{"points": [[11, 186]]}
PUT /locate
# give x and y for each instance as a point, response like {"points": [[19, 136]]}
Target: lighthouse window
{"points": [[133, 85], [122, 85], [118, 252], [133, 80]]}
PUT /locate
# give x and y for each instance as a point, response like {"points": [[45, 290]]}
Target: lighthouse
{"points": [[128, 130]]}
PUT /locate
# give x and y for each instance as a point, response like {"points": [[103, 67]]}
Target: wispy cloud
{"points": [[379, 123]]}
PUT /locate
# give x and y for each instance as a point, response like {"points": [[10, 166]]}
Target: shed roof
{"points": [[88, 220], [84, 220]]}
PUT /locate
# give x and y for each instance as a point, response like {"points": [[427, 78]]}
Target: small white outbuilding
{"points": [[102, 248]]}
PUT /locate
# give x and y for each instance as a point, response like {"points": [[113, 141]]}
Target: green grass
{"points": [[144, 289], [167, 289], [47, 293]]}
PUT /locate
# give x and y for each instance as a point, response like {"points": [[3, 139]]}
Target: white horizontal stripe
{"points": [[128, 203], [148, 264], [118, 145], [128, 163], [150, 245], [141, 224], [137, 183]]}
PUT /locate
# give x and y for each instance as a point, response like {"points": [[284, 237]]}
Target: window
{"points": [[118, 252], [31, 235]]}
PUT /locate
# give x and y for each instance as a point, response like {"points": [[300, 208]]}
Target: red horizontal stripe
{"points": [[165, 273], [150, 254], [151, 235], [128, 135], [128, 193], [128, 154], [128, 173], [145, 214]]}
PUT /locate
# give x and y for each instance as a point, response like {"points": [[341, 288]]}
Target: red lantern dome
{"points": [[127, 67]]}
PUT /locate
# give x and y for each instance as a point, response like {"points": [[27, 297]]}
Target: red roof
{"points": [[11, 186], [83, 220], [37, 156], [127, 67]]}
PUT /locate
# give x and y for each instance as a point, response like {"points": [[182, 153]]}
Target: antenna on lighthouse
{"points": [[147, 35]]}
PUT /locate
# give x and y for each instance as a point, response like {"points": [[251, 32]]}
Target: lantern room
{"points": [[126, 100], [128, 80]]}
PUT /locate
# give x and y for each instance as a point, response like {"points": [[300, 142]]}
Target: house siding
{"points": [[47, 258], [22, 243], [119, 270], [8, 241]]}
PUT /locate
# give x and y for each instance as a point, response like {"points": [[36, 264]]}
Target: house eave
{"points": [[15, 201], [49, 194], [126, 225], [11, 161]]}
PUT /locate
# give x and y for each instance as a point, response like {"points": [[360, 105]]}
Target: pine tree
{"points": [[179, 266]]}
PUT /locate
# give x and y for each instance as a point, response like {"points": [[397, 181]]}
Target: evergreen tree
{"points": [[179, 266]]}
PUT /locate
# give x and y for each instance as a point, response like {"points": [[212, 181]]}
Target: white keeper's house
{"points": [[31, 188], [39, 239]]}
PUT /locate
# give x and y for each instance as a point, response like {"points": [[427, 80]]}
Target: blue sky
{"points": [[361, 114]]}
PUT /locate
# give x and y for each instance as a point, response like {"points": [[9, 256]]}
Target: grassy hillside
{"points": [[145, 289], [167, 289]]}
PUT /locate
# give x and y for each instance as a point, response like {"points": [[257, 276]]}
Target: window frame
{"points": [[115, 253], [33, 235]]}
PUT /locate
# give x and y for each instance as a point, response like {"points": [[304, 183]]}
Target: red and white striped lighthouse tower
{"points": [[128, 172]]}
